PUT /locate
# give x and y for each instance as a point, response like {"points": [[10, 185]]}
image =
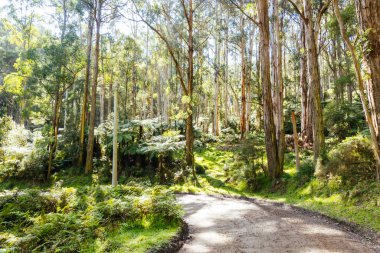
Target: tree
{"points": [[91, 139], [363, 98], [274, 165], [312, 27], [90, 29], [186, 77], [114, 139]]}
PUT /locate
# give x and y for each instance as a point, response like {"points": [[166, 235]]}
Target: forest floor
{"points": [[218, 224]]}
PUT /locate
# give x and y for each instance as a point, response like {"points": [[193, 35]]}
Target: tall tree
{"points": [[365, 102], [312, 27], [91, 139], [278, 83], [90, 29], [274, 165], [368, 13]]}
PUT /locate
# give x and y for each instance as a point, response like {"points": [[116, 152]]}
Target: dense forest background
{"points": [[275, 95]]}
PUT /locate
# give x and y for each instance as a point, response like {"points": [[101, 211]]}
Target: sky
{"points": [[47, 11]]}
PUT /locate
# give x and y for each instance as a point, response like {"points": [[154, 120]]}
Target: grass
{"points": [[136, 240], [360, 205]]}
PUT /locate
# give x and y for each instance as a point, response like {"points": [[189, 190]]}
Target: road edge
{"points": [[367, 234], [175, 243]]}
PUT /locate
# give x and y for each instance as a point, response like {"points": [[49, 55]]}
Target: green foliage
{"points": [[23, 155], [306, 171], [352, 160], [147, 148], [343, 120], [67, 219], [5, 127]]}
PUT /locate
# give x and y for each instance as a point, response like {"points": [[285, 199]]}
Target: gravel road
{"points": [[234, 225]]}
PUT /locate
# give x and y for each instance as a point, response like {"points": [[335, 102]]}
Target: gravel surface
{"points": [[232, 225]]}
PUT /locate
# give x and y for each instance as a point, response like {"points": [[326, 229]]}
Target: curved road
{"points": [[233, 225]]}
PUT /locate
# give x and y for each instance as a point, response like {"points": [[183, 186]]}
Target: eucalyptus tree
{"points": [[167, 19], [110, 8], [90, 29], [312, 15], [367, 101], [275, 166], [64, 59], [368, 14]]}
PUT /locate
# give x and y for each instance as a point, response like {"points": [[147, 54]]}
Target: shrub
{"points": [[306, 172], [64, 219], [352, 160], [343, 120], [5, 127], [34, 166], [114, 210], [164, 208]]}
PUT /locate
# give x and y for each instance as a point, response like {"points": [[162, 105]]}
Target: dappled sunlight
{"points": [[313, 229], [233, 225]]}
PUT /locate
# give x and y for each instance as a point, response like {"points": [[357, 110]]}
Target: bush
{"points": [[23, 155], [343, 120], [306, 172], [64, 219], [5, 126], [34, 166], [352, 160]]}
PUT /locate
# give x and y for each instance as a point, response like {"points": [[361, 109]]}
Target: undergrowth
{"points": [[87, 219]]}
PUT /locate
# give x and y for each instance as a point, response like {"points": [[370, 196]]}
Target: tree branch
{"points": [[295, 7]]}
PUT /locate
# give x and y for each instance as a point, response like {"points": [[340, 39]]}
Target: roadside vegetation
{"points": [[340, 187]]}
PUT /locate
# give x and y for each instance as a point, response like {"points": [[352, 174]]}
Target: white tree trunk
{"points": [[114, 144]]}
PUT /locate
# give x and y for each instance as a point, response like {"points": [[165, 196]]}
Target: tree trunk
{"points": [[306, 128], [226, 79], [368, 13], [366, 106], [278, 86], [53, 145], [114, 140], [91, 139], [269, 128], [249, 79], [216, 88], [295, 136], [314, 81], [86, 84], [190, 78], [243, 115]]}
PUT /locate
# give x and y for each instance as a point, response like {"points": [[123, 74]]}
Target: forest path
{"points": [[233, 225]]}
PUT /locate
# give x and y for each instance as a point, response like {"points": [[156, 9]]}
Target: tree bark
{"points": [[295, 135], [86, 85], [190, 78], [114, 140], [243, 115], [91, 137], [278, 86], [368, 13], [306, 128], [314, 80], [269, 128]]}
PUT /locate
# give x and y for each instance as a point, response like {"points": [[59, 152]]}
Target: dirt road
{"points": [[233, 225]]}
